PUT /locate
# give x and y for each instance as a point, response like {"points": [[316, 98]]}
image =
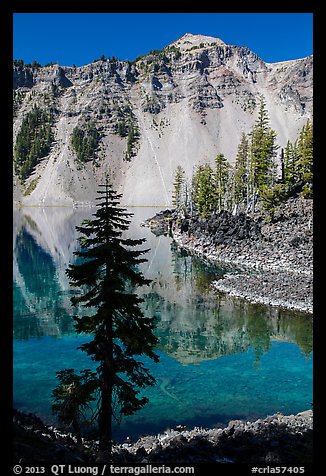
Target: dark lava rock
{"points": [[161, 223], [281, 439], [223, 227]]}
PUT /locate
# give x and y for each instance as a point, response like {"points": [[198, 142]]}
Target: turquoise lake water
{"points": [[220, 358]]}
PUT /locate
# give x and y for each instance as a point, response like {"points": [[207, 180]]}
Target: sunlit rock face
{"points": [[188, 102]]}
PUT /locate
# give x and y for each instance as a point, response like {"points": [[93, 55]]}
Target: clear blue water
{"points": [[220, 358]]}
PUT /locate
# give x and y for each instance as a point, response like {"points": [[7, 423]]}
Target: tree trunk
{"points": [[105, 416], [76, 429], [282, 166]]}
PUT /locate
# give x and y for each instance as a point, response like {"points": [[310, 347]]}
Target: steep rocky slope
{"points": [[188, 102]]}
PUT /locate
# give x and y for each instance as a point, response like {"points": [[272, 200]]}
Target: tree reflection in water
{"points": [[244, 358]]}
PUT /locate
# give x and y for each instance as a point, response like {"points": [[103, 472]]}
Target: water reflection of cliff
{"points": [[44, 240], [200, 324], [194, 323]]}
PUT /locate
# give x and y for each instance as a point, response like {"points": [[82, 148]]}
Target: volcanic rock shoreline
{"points": [[269, 261], [276, 439]]}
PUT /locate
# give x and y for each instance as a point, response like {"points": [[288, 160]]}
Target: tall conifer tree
{"points": [[204, 190], [179, 197], [241, 174], [221, 178], [263, 149], [291, 158], [305, 163], [107, 276]]}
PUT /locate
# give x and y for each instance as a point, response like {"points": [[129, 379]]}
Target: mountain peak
{"points": [[184, 103], [189, 40]]}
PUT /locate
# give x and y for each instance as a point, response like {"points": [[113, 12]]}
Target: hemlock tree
{"points": [[72, 398], [263, 149], [305, 163], [298, 162], [291, 158], [179, 197], [107, 276], [271, 198], [204, 193], [241, 174], [222, 169], [230, 203]]}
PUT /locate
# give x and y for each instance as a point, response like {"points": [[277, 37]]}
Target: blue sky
{"points": [[79, 38]]}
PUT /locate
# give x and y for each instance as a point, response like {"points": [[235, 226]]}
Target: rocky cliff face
{"points": [[186, 103]]}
